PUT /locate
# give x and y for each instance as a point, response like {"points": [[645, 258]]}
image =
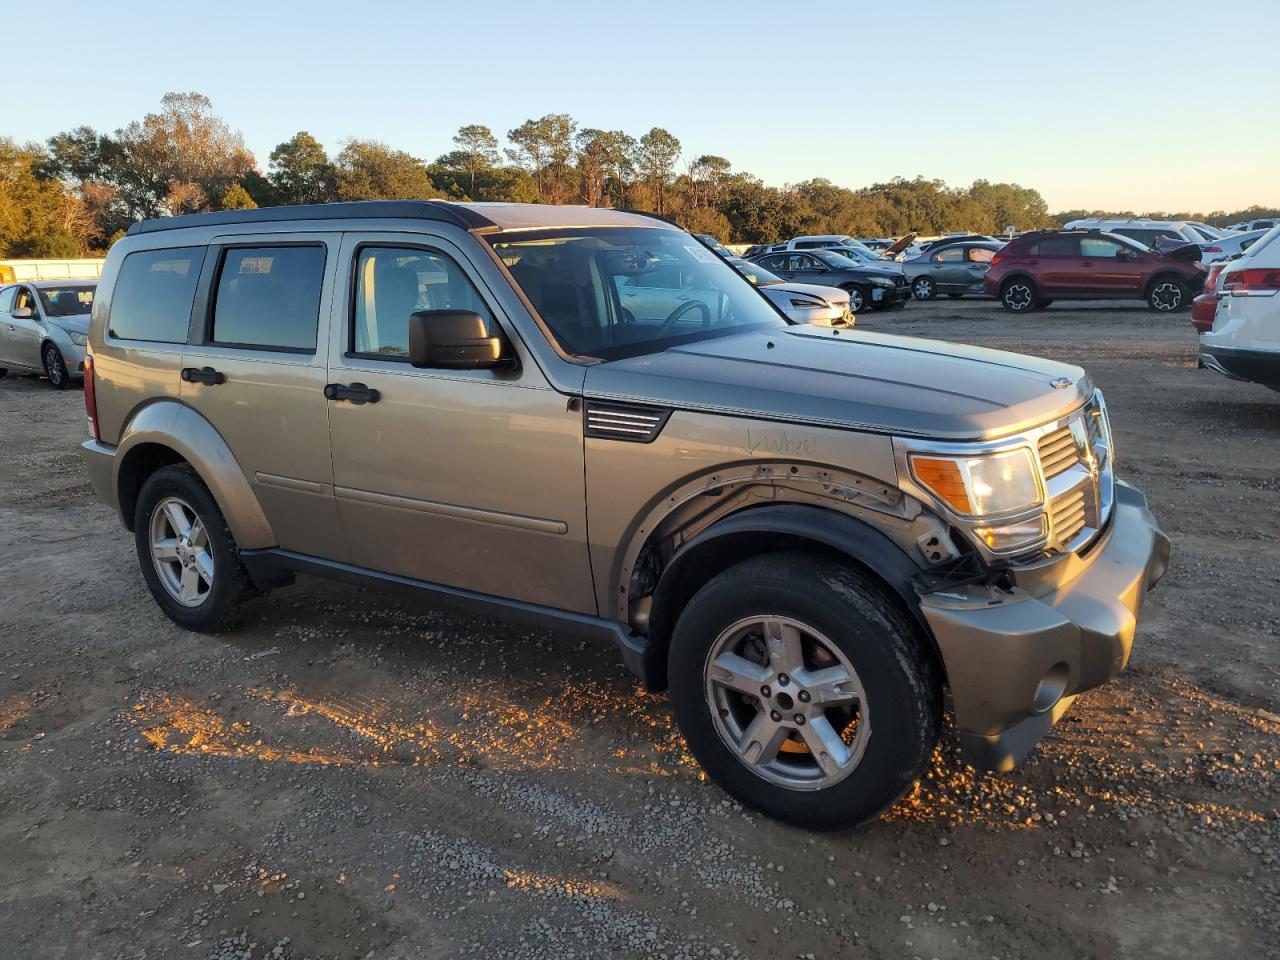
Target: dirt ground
{"points": [[351, 776]]}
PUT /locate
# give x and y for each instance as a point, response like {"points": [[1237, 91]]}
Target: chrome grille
{"points": [[1058, 451], [1067, 515], [614, 421], [1076, 459]]}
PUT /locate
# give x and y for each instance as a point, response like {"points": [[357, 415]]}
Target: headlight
{"points": [[991, 485], [881, 282], [807, 304], [79, 339]]}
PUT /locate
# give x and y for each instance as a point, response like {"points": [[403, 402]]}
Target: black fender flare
{"points": [[786, 523]]}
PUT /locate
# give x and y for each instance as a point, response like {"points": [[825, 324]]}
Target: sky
{"points": [[1110, 105]]}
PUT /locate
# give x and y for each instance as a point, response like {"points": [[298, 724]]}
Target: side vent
{"points": [[624, 421]]}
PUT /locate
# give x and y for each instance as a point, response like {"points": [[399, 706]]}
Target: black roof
{"points": [[457, 214]]}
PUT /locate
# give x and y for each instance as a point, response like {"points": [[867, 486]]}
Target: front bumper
{"points": [[890, 296], [1203, 310], [1016, 659]]}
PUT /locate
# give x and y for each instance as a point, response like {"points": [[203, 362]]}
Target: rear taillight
{"points": [[91, 398], [997, 258], [1210, 249], [1258, 282], [1212, 279]]}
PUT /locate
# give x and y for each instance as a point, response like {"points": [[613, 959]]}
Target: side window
{"points": [[774, 263], [808, 244], [6, 299], [269, 297], [980, 254], [153, 295], [949, 255], [1099, 248], [392, 283], [26, 299], [1058, 247]]}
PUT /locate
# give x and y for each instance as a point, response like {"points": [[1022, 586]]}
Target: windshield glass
{"points": [[613, 292], [835, 260], [66, 301], [755, 273]]}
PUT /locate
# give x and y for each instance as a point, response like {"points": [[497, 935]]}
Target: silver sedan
{"points": [[44, 327]]}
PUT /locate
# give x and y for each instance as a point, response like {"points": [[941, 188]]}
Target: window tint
{"points": [[981, 254], [269, 297], [6, 298], [1055, 247], [949, 254], [1100, 247], [153, 294], [392, 283]]}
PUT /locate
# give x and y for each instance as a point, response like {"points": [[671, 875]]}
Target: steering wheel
{"points": [[678, 314]]}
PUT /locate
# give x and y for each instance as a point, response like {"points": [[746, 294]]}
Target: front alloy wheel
{"points": [[1166, 296], [787, 701], [1018, 296], [55, 367], [857, 299], [180, 551]]}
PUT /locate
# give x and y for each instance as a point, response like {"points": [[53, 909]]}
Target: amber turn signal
{"points": [[944, 479]]}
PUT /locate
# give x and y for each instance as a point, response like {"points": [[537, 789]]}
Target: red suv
{"points": [[1036, 268]]}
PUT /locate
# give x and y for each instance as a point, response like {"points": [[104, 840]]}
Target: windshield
{"points": [[612, 292], [1209, 232], [755, 273], [835, 260], [66, 301]]}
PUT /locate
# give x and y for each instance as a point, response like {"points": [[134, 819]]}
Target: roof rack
{"points": [[458, 215]]}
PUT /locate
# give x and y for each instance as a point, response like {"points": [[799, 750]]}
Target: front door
{"points": [[946, 267], [1110, 267], [466, 478], [255, 369], [23, 334]]}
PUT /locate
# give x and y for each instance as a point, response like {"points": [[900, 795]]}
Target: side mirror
{"points": [[23, 313], [454, 340]]}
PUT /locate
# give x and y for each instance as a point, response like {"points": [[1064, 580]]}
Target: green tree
{"points": [[656, 158], [545, 148], [300, 172], [237, 198], [38, 216], [475, 154], [368, 170]]}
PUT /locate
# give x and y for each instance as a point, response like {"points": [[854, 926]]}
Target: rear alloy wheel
{"points": [[54, 367], [778, 667], [1018, 296], [924, 289], [1166, 296], [858, 298]]}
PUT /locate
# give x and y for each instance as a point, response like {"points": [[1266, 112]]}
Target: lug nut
{"points": [[804, 696], [775, 716], [783, 679], [766, 692], [799, 719]]}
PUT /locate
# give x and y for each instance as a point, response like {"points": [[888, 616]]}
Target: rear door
{"points": [[471, 479], [255, 369], [1057, 263], [977, 261]]}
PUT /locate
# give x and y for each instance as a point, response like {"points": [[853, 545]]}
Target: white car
{"points": [[1244, 342], [44, 326], [1143, 230], [1229, 246], [802, 302]]}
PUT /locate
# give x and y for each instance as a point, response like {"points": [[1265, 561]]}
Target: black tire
{"points": [[4, 372], [901, 681], [231, 585], [859, 298], [1019, 295], [1168, 295], [1045, 301], [55, 368], [923, 288]]}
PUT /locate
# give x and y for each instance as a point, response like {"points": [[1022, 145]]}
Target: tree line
{"points": [[79, 191]]}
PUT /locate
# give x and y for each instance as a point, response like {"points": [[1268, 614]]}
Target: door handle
{"points": [[357, 393], [206, 375]]}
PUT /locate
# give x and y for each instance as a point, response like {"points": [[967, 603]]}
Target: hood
{"points": [[1176, 249], [829, 294], [898, 245], [851, 378], [76, 324]]}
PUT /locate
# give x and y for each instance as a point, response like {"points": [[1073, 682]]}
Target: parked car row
{"points": [[1238, 314]]}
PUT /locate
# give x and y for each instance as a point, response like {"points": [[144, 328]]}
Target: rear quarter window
{"points": [[153, 295]]}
